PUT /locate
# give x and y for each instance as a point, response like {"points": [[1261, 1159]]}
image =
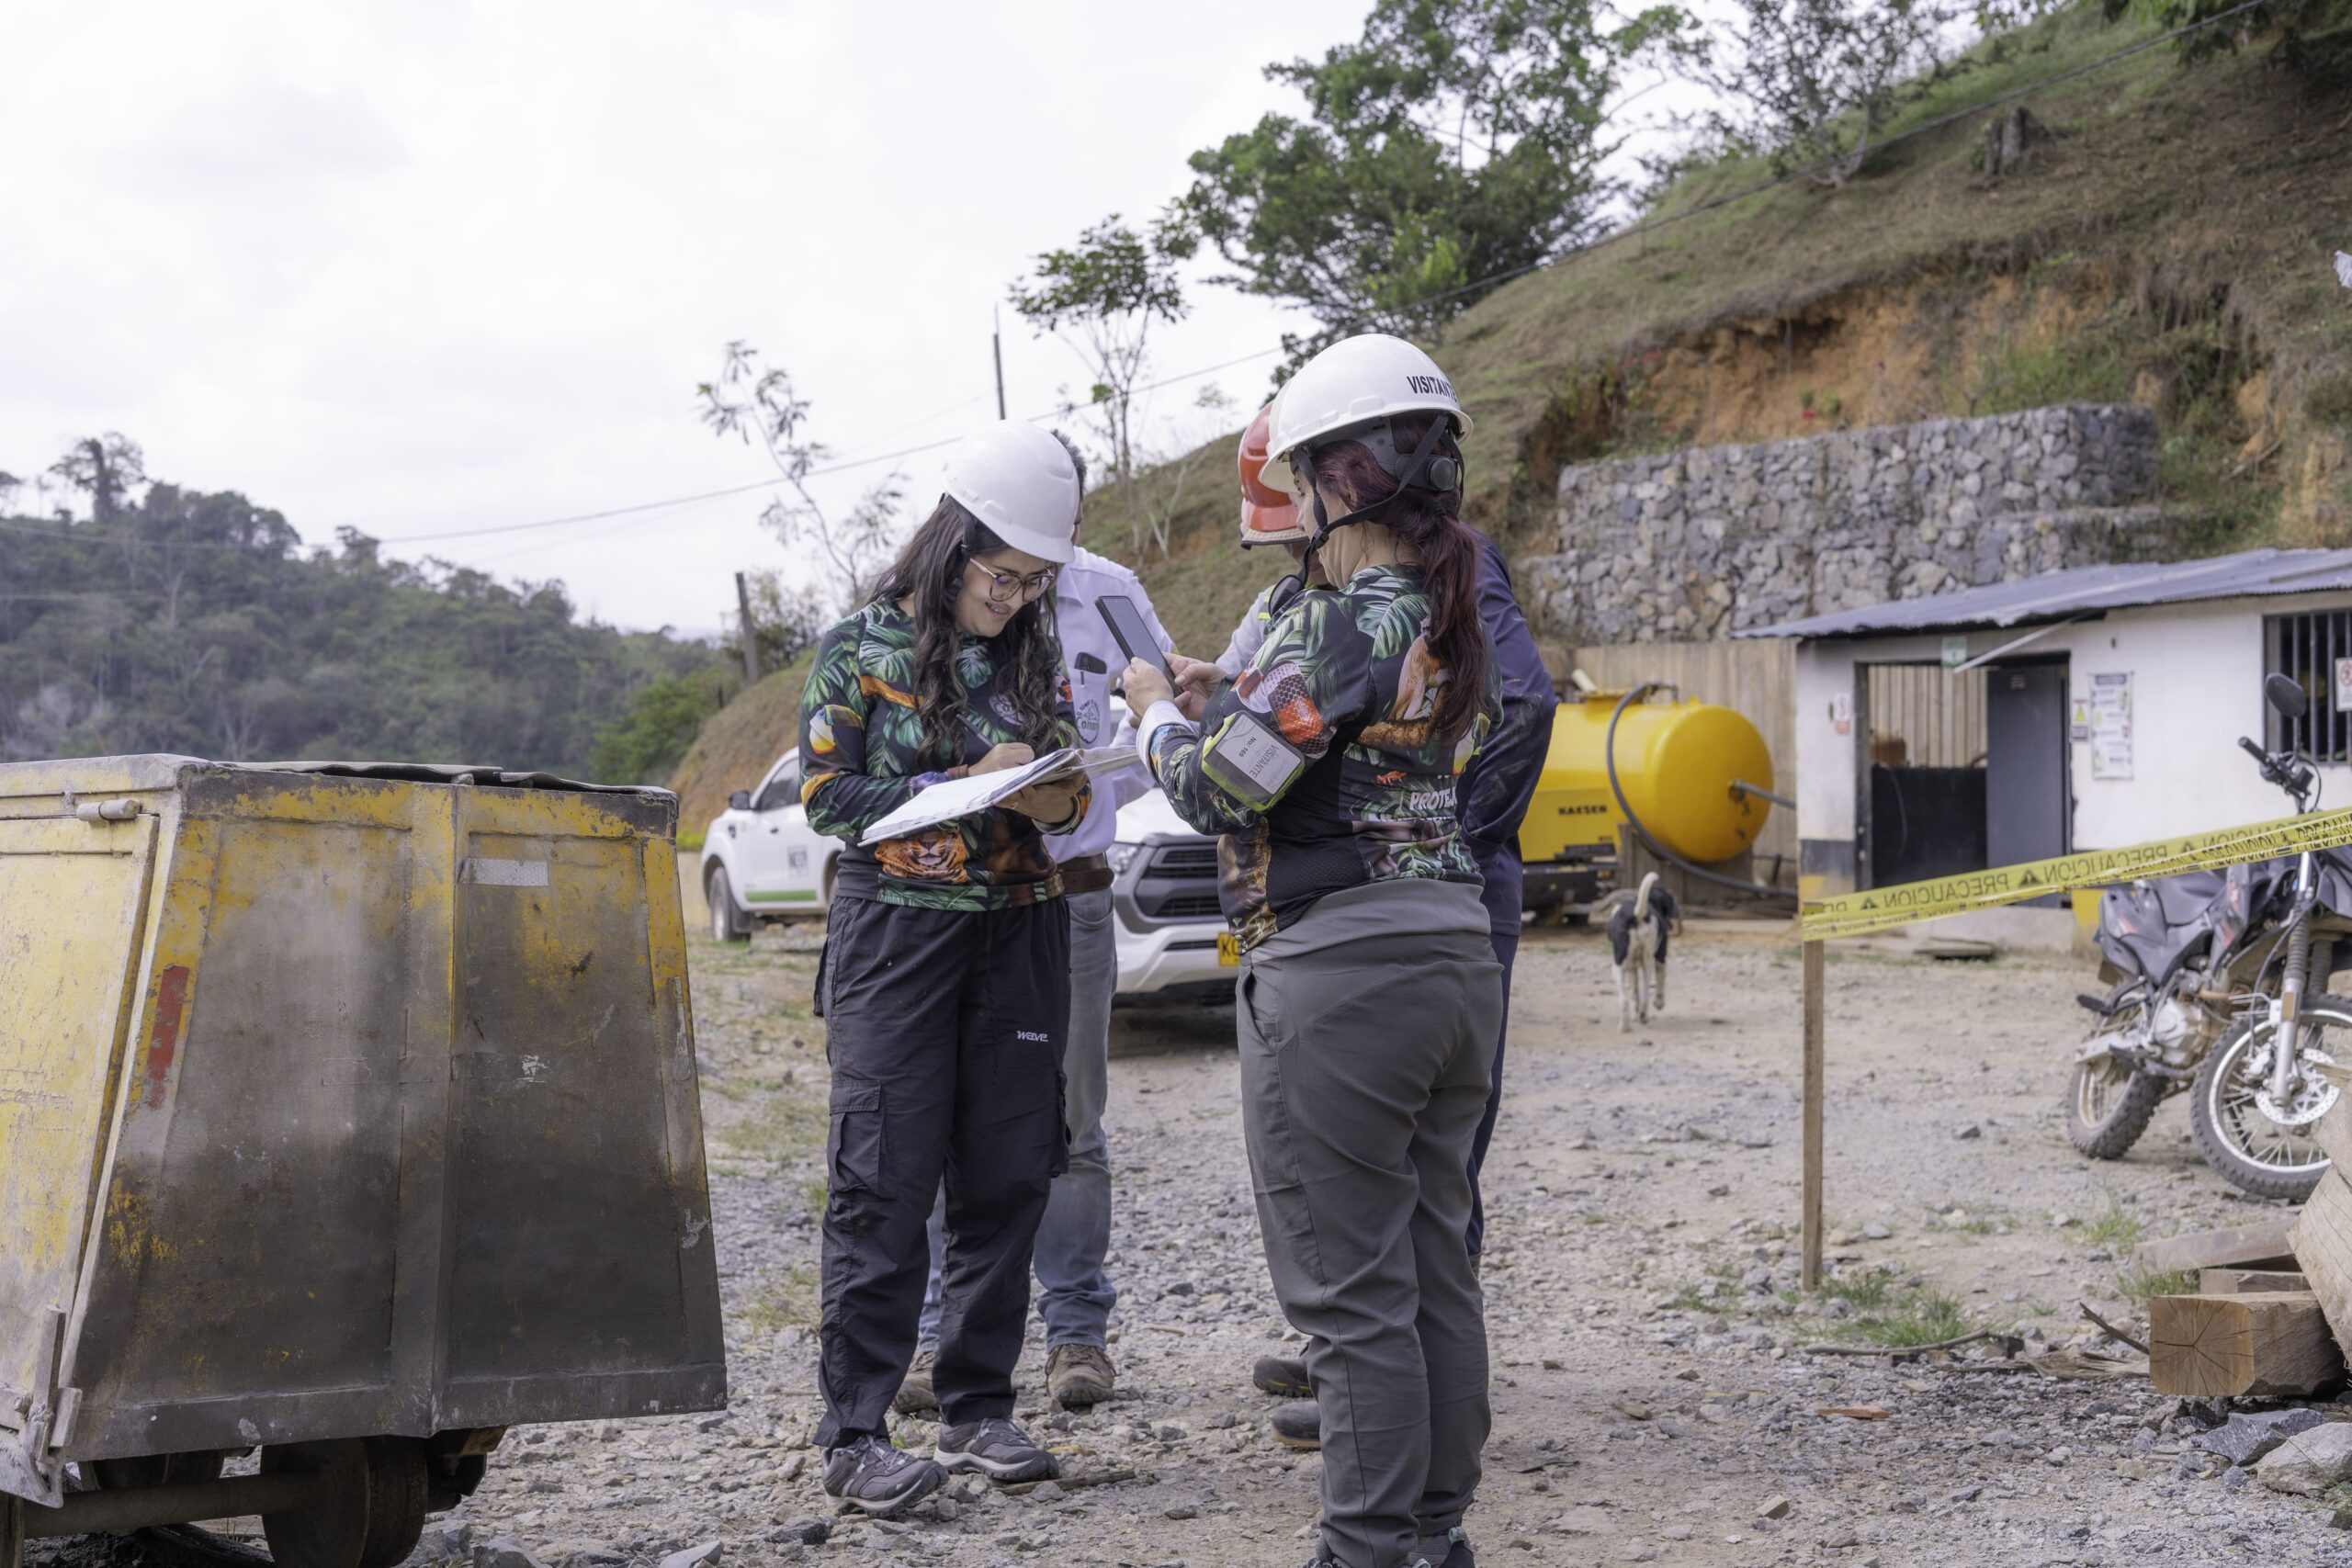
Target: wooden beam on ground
{"points": [[1810, 1227], [2268, 1345], [2322, 1241], [2240, 1247], [2243, 1281], [2332, 1133]]}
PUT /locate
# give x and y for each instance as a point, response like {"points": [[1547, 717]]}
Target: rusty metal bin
{"points": [[348, 1112]]}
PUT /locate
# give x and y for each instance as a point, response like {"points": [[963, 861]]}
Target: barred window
{"points": [[2305, 649]]}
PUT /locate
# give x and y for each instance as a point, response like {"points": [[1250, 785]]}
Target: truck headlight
{"points": [[1120, 855]]}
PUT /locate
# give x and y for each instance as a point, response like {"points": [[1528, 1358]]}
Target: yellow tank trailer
{"points": [[1681, 765], [346, 1113]]}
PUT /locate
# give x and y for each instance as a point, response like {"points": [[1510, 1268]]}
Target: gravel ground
{"points": [[1653, 1403]]}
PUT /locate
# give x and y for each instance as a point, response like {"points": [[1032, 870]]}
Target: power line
{"points": [[1489, 281]]}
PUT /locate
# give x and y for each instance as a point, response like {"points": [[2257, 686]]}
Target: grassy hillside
{"points": [[736, 746], [2172, 246]]}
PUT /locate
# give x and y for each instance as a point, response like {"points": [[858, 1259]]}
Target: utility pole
{"points": [[996, 344], [744, 630]]}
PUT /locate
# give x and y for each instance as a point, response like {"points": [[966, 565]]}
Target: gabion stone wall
{"points": [[1698, 544]]}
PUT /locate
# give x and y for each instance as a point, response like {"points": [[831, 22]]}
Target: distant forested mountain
{"points": [[171, 620]]}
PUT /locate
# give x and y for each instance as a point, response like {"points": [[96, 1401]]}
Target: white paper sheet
{"points": [[953, 798]]}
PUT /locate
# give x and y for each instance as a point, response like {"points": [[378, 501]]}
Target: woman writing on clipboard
{"points": [[945, 981]]}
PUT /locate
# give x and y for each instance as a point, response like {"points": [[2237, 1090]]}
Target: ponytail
{"points": [[1429, 521]]}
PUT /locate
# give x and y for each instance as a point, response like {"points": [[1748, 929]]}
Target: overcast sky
{"points": [[433, 267]]}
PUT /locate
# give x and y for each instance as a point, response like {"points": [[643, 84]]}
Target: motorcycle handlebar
{"points": [[2256, 752]]}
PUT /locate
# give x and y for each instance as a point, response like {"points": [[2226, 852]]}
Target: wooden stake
{"points": [[751, 638], [1810, 1239]]}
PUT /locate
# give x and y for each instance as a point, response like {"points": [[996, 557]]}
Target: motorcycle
{"points": [[2219, 991]]}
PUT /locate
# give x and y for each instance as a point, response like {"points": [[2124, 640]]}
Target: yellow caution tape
{"points": [[1884, 909]]}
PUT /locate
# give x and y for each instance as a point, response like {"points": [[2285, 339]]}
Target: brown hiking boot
{"points": [[915, 1393], [1079, 1374], [1282, 1378], [1297, 1425]]}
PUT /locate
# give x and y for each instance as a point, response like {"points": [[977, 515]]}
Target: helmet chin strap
{"points": [[1441, 470]]}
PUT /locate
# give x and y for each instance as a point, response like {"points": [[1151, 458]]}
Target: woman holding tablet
{"points": [[1369, 996], [945, 981]]}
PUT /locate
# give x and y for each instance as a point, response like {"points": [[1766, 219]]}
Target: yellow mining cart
{"points": [[347, 1113]]}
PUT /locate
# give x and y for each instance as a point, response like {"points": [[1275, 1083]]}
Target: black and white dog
{"points": [[1638, 928]]}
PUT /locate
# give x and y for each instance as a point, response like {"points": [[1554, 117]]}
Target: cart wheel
{"points": [[397, 1482], [11, 1530], [331, 1530]]}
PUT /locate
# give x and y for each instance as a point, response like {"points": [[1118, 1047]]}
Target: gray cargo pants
{"points": [[1365, 1069]]}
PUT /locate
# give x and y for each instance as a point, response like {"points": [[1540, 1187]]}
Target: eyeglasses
{"points": [[1001, 586]]}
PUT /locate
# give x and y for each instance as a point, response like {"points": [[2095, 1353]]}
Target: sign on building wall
{"points": [[2344, 686], [2111, 725], [1955, 652]]}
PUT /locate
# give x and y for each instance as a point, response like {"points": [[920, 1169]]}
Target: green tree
{"points": [[756, 403], [1453, 142], [2313, 36], [177, 620], [645, 744], [1812, 82], [1109, 289], [784, 622]]}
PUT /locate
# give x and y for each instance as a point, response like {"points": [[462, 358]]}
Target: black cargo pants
{"points": [[944, 1030]]}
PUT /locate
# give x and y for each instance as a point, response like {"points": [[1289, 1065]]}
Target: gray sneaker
{"points": [[996, 1449], [915, 1392], [1297, 1425], [871, 1475]]}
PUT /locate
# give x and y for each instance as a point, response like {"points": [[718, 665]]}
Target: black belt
{"points": [[1087, 874]]}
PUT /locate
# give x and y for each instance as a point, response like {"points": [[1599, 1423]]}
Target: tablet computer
{"points": [[1132, 632]]}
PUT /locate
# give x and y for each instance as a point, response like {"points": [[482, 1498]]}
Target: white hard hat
{"points": [[1020, 482], [1356, 382]]}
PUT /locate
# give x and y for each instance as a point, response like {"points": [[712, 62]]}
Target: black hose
{"points": [[1608, 759]]}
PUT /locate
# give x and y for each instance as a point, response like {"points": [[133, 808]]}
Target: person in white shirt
{"points": [[1075, 1293]]}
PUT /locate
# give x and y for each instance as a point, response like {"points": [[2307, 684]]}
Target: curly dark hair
{"points": [[929, 574]]}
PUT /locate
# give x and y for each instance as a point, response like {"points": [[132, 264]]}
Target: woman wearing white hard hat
{"points": [[1369, 997], [945, 981]]}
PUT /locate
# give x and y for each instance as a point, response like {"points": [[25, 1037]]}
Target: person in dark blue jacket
{"points": [[1494, 792]]}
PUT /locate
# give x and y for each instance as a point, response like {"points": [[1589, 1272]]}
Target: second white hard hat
{"points": [[1356, 382], [1020, 482]]}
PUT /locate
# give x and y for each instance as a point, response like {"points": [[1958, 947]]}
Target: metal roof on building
{"points": [[2084, 592]]}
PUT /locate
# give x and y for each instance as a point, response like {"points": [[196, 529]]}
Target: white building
{"points": [[2085, 710]]}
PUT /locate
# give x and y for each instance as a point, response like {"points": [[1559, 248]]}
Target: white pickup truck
{"points": [[761, 861]]}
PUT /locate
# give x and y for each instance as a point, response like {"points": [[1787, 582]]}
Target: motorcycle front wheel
{"points": [[2258, 1144], [2109, 1103]]}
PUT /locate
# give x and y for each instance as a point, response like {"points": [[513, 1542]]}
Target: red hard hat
{"points": [[1268, 516]]}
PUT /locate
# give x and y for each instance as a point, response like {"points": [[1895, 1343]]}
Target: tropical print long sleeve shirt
{"points": [[1320, 763], [861, 753]]}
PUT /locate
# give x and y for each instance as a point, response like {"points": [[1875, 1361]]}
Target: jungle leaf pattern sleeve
{"points": [[841, 797], [1266, 728]]}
